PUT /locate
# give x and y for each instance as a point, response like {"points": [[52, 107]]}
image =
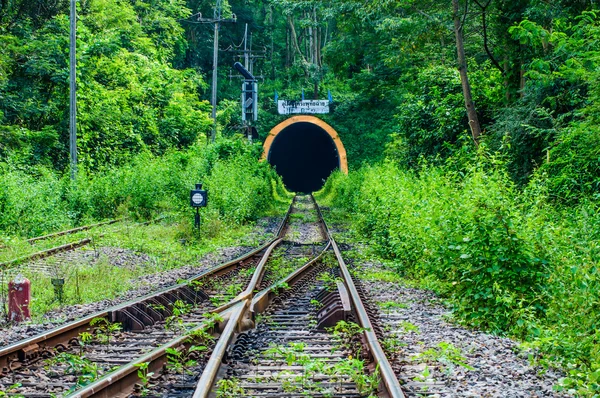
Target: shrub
{"points": [[468, 232], [510, 260], [41, 200]]}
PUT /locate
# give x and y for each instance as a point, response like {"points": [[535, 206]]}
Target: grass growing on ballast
{"points": [[169, 244], [241, 191]]}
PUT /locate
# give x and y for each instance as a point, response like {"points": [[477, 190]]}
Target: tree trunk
{"points": [[272, 42], [316, 37], [288, 48], [294, 37], [464, 78], [319, 47], [311, 44]]}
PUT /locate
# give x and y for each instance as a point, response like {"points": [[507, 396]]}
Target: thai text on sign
{"points": [[309, 106]]}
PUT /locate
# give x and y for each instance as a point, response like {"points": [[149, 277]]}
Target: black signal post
{"points": [[198, 199], [249, 98]]}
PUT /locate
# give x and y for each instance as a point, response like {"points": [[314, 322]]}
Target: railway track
{"points": [[37, 260], [266, 324], [132, 328], [315, 339]]}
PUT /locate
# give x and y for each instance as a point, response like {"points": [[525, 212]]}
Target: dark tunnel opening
{"points": [[304, 155]]}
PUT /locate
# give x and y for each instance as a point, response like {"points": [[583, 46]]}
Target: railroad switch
{"points": [[336, 306]]}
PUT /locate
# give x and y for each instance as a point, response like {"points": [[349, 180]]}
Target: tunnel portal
{"points": [[304, 151]]}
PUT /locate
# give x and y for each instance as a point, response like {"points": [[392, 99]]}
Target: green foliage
{"points": [[446, 354], [329, 281], [388, 306], [11, 389], [508, 260], [430, 117], [180, 360], [347, 335], [229, 388], [467, 232], [104, 329], [175, 321], [350, 368], [85, 370], [130, 98], [574, 167], [144, 376], [240, 189]]}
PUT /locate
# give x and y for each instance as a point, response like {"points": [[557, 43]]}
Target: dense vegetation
{"points": [[497, 208], [240, 189], [142, 66], [509, 261]]}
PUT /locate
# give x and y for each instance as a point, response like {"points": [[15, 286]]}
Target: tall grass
{"points": [[508, 259], [39, 200]]}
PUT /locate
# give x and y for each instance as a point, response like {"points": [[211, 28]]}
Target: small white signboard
{"points": [[310, 106]]}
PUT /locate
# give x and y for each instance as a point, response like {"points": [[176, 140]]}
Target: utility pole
{"points": [[246, 58], [73, 91], [217, 20], [249, 57], [217, 17]]}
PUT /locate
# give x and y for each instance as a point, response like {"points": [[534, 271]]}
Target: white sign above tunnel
{"points": [[285, 107]]}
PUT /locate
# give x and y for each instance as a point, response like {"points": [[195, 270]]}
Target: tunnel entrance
{"points": [[305, 151]]}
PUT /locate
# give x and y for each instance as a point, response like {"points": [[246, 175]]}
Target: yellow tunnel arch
{"points": [[313, 120]]}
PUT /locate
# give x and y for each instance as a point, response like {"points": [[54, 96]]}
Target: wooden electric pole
{"points": [[217, 20], [73, 91]]}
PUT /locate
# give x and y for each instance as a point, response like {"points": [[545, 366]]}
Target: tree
{"points": [[462, 68]]}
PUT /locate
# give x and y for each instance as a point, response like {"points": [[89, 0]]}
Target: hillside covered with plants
{"points": [[472, 129]]}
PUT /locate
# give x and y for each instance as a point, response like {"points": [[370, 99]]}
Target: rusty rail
{"points": [[261, 300], [72, 231], [63, 248], [385, 368], [256, 304], [61, 335], [46, 253], [121, 382]]}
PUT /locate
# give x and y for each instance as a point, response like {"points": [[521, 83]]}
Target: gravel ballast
{"points": [[418, 322], [143, 285]]}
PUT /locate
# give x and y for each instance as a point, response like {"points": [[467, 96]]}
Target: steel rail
{"points": [[63, 248], [387, 373], [256, 277], [258, 304], [120, 382], [72, 231], [214, 362], [107, 386], [62, 334], [123, 379], [46, 253], [261, 299]]}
